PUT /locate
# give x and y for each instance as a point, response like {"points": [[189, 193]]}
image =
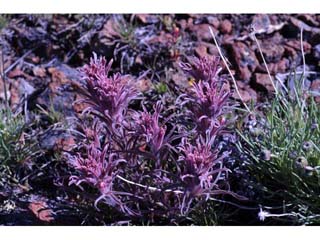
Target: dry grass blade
{"points": [[264, 60], [226, 64], [303, 57]]}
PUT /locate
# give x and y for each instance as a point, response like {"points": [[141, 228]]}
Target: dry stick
{"points": [[3, 73], [304, 68], [299, 72], [152, 189], [18, 61], [303, 58], [264, 61], [3, 76], [25, 109], [226, 64]]}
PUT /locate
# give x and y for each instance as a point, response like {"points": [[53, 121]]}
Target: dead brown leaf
{"points": [[41, 211]]}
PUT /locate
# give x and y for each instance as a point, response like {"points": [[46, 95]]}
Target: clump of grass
{"points": [[18, 150], [281, 144], [11, 130], [53, 116], [125, 29], [17, 146]]}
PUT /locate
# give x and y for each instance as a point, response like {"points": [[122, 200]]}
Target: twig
{"points": [[153, 189], [17, 61], [3, 76], [226, 64], [281, 83], [71, 26], [299, 72], [263, 59], [303, 25], [303, 57], [269, 30]]}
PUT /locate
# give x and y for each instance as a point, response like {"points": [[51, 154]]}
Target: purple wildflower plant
{"points": [[209, 95], [153, 165], [107, 95], [207, 103], [202, 169], [98, 168], [203, 69], [148, 125], [201, 163]]}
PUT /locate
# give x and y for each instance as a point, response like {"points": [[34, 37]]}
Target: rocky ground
{"points": [[42, 54]]}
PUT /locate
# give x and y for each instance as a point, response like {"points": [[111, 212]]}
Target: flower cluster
{"points": [[201, 163], [208, 100], [153, 165], [108, 95], [202, 69], [98, 169], [148, 125]]}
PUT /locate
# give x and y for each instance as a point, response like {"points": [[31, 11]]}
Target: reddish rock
{"points": [[226, 26], [274, 68], [108, 32], [139, 60], [245, 59], [17, 72], [202, 31], [79, 106], [35, 59], [41, 210], [315, 86], [246, 92], [272, 51], [245, 74], [190, 22], [201, 51], [144, 18], [65, 144], [14, 93], [290, 52], [263, 80], [57, 79], [162, 38], [296, 44], [279, 67]]}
